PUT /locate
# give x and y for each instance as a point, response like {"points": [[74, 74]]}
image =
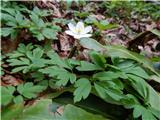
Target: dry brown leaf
{"points": [[64, 42], [10, 80], [98, 16]]}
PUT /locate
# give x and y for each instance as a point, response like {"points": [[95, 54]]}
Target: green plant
{"points": [[14, 21], [113, 74], [27, 58], [113, 83], [101, 25], [26, 91], [123, 9]]}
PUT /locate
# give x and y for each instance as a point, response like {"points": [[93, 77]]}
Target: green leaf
{"points": [[138, 110], [61, 74], [156, 32], [7, 17], [12, 112], [83, 89], [139, 85], [44, 83], [155, 112], [145, 113], [39, 36], [40, 12], [155, 78], [109, 95], [38, 76], [25, 69], [18, 99], [136, 71], [6, 31], [45, 109], [7, 94], [24, 48], [40, 110], [121, 52], [22, 61], [71, 111], [19, 17], [98, 59], [92, 44], [104, 24], [65, 77], [49, 33], [56, 60], [109, 75], [34, 18], [86, 66], [94, 105], [29, 90], [129, 101], [38, 53], [146, 91], [14, 34], [27, 59]]}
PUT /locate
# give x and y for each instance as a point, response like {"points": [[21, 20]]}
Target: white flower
{"points": [[79, 31]]}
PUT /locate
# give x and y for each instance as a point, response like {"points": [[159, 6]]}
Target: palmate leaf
{"points": [[132, 68], [137, 71], [107, 94], [6, 31], [104, 24], [61, 74], [87, 66], [26, 58], [7, 94], [146, 91], [98, 59], [108, 75], [49, 33], [18, 99], [56, 60], [29, 90], [121, 52], [117, 52], [83, 89], [145, 113]]}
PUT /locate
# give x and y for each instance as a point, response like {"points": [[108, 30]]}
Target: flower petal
{"points": [[87, 29], [72, 27], [80, 26], [76, 36], [85, 35], [69, 32]]}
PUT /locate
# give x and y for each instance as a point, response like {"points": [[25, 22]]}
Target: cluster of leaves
{"points": [[115, 80], [14, 20], [114, 8], [25, 91], [27, 58], [47, 109], [113, 74]]}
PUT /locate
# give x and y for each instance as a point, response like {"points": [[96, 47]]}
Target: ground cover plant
{"points": [[73, 60]]}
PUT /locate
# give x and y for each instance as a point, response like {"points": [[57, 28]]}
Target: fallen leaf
{"points": [[10, 80]]}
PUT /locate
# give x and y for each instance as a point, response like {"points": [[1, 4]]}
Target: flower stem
{"points": [[75, 48], [72, 52]]}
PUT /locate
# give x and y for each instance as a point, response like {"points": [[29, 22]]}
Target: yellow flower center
{"points": [[78, 30]]}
